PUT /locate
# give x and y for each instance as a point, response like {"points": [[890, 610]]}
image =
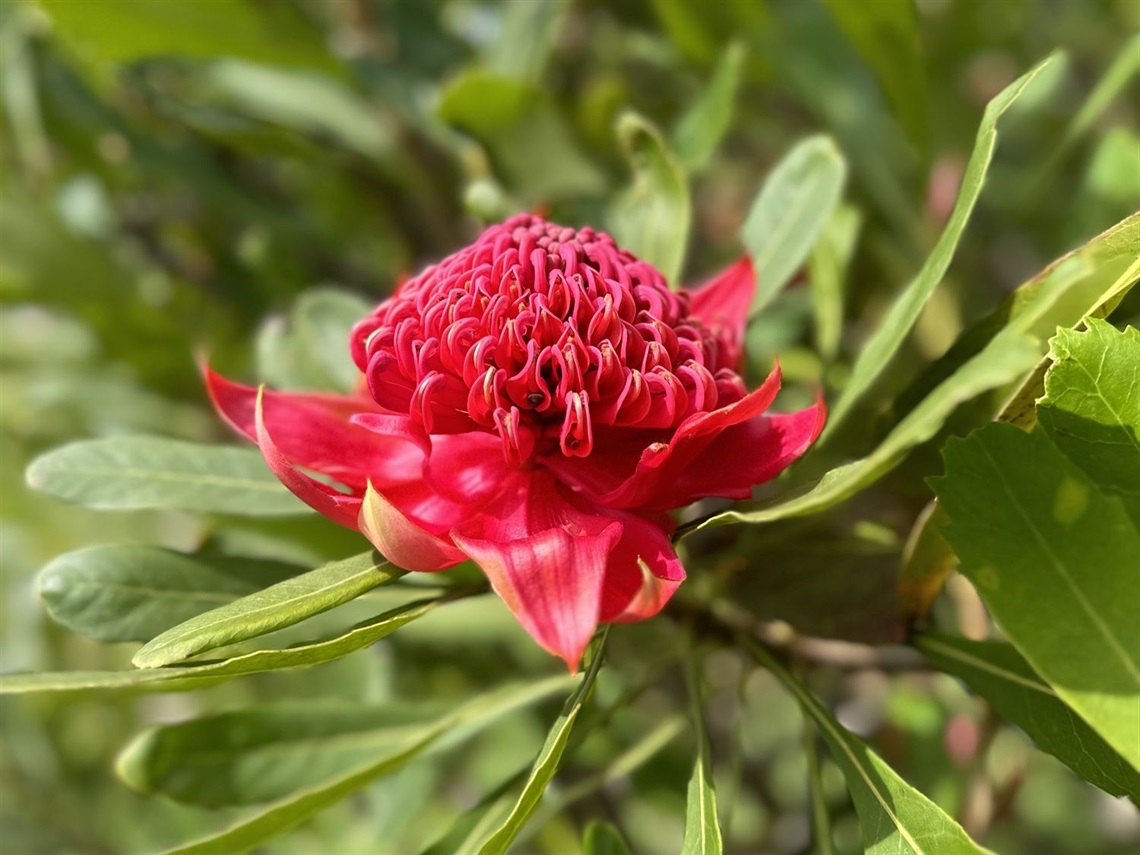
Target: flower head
{"points": [[536, 402]]}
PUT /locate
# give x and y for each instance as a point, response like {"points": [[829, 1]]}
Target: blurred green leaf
{"points": [[1000, 675], [259, 754], [702, 828], [790, 212], [1114, 80], [885, 342], [546, 764], [651, 218], [896, 819], [603, 839], [530, 33], [885, 33], [124, 473], [482, 101], [1091, 407], [1006, 358], [177, 679], [133, 593], [827, 271], [703, 126], [127, 30], [311, 350], [278, 606], [1046, 549]]}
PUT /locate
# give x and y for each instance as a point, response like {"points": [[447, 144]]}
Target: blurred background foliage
{"points": [[173, 172]]}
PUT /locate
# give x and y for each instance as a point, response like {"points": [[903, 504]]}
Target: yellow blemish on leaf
{"points": [[1071, 501]]}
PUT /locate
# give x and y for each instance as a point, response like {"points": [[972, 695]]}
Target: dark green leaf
{"points": [[790, 212], [603, 839], [1000, 675], [132, 593], [1057, 562], [651, 218], [281, 605], [124, 473], [885, 33]]}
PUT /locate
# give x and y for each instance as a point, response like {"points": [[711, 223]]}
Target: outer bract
{"points": [[536, 402]]}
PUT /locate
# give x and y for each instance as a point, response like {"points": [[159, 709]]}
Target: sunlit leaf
{"points": [[125, 473], [1000, 675], [177, 679], [1057, 562], [281, 605], [827, 269], [896, 325], [702, 828], [790, 212]]}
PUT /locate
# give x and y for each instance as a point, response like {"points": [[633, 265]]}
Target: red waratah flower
{"points": [[536, 402]]}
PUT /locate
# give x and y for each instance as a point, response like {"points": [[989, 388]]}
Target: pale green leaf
{"points": [[530, 32], [322, 320], [790, 212], [133, 593], [895, 818], [703, 126], [1057, 563], [281, 605], [999, 674], [651, 217], [177, 679], [125, 473], [827, 268], [892, 331], [546, 764], [1091, 408]]}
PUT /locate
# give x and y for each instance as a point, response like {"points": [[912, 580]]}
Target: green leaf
{"points": [[184, 678], [702, 829], [132, 593], [546, 764], [124, 473], [651, 217], [886, 35], [1008, 357], [483, 102], [1124, 68], [822, 843], [1091, 279], [1047, 549], [704, 125], [281, 605], [323, 319], [264, 753], [1091, 408], [1000, 675], [294, 809], [790, 212], [885, 342], [601, 838], [827, 268], [530, 32], [896, 819], [129, 30]]}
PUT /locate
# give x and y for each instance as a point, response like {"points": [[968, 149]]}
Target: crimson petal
{"points": [[401, 540], [320, 497], [723, 302], [643, 571], [545, 555]]}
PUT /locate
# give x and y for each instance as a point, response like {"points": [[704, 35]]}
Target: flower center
{"points": [[538, 332]]}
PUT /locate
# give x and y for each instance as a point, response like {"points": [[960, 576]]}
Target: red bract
{"points": [[536, 402]]}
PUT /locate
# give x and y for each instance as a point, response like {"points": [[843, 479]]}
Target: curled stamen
{"points": [[577, 438]]}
